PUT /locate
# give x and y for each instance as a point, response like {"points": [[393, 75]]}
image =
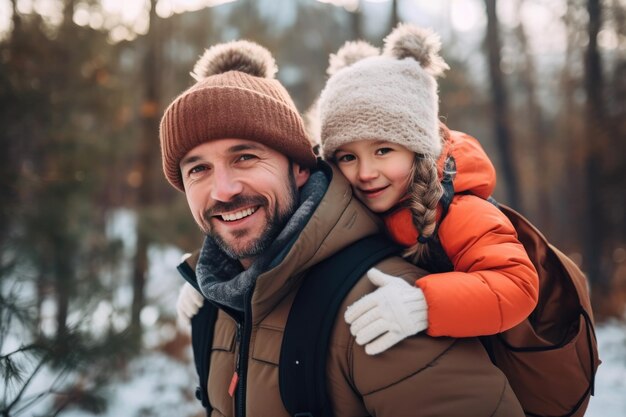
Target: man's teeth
{"points": [[238, 215]]}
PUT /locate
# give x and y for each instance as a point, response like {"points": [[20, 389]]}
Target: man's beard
{"points": [[276, 222]]}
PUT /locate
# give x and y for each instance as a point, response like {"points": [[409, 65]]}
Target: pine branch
{"points": [[23, 348], [19, 395], [31, 400]]}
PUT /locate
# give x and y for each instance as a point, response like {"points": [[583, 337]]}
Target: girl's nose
{"points": [[367, 171]]}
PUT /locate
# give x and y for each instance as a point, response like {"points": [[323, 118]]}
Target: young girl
{"points": [[379, 125]]}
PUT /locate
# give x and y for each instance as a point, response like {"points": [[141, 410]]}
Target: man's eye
{"points": [[345, 158], [247, 157], [383, 151], [197, 169]]}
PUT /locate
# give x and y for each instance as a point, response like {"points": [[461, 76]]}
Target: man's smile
{"points": [[237, 215]]}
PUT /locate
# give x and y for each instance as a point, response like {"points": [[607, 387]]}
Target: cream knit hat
{"points": [[235, 96], [391, 97]]}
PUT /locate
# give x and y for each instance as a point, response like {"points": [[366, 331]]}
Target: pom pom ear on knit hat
{"points": [[348, 54], [390, 96], [235, 96], [423, 45]]}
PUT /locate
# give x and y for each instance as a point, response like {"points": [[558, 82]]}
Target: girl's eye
{"points": [[345, 158], [383, 151]]}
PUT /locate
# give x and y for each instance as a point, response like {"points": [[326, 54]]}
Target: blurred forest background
{"points": [[90, 232]]}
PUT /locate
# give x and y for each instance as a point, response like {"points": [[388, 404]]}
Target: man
{"points": [[235, 144]]}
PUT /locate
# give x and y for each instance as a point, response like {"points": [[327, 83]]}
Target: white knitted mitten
{"points": [[188, 303], [384, 317]]}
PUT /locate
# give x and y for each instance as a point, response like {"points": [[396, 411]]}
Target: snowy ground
{"points": [[157, 385], [161, 387], [610, 396]]}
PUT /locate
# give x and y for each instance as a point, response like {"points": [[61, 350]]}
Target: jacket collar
{"points": [[222, 279], [338, 220]]}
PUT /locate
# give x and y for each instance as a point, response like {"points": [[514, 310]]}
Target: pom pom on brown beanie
{"points": [[391, 97], [235, 96]]}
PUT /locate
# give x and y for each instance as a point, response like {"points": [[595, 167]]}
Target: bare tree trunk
{"points": [[569, 141], [618, 133], [357, 22], [140, 270], [15, 18], [146, 159], [537, 136], [501, 107], [63, 304], [68, 12], [596, 119], [63, 276], [40, 283], [395, 17], [9, 165]]}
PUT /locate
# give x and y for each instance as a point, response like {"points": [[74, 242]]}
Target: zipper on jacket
{"points": [[238, 339], [234, 381], [241, 337], [242, 359]]}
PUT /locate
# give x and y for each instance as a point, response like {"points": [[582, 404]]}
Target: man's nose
{"points": [[225, 185]]}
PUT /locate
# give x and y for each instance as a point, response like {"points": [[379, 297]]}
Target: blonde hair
{"points": [[424, 194]]}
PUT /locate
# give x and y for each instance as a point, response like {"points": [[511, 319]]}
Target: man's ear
{"points": [[300, 174]]}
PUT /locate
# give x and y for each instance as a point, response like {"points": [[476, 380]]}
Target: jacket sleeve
{"points": [[493, 287], [420, 376]]}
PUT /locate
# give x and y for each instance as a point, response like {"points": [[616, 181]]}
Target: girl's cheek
{"points": [[342, 168]]}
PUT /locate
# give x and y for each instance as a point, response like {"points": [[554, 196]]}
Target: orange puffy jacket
{"points": [[494, 286]]}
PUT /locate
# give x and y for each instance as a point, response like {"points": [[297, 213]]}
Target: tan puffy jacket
{"points": [[421, 376]]}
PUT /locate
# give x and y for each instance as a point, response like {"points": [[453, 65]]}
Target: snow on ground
{"points": [[164, 386], [610, 395], [155, 386]]}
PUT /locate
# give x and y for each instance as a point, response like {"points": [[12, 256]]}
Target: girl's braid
{"points": [[425, 192]]}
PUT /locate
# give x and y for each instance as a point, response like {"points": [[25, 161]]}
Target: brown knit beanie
{"points": [[390, 96], [235, 96]]}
